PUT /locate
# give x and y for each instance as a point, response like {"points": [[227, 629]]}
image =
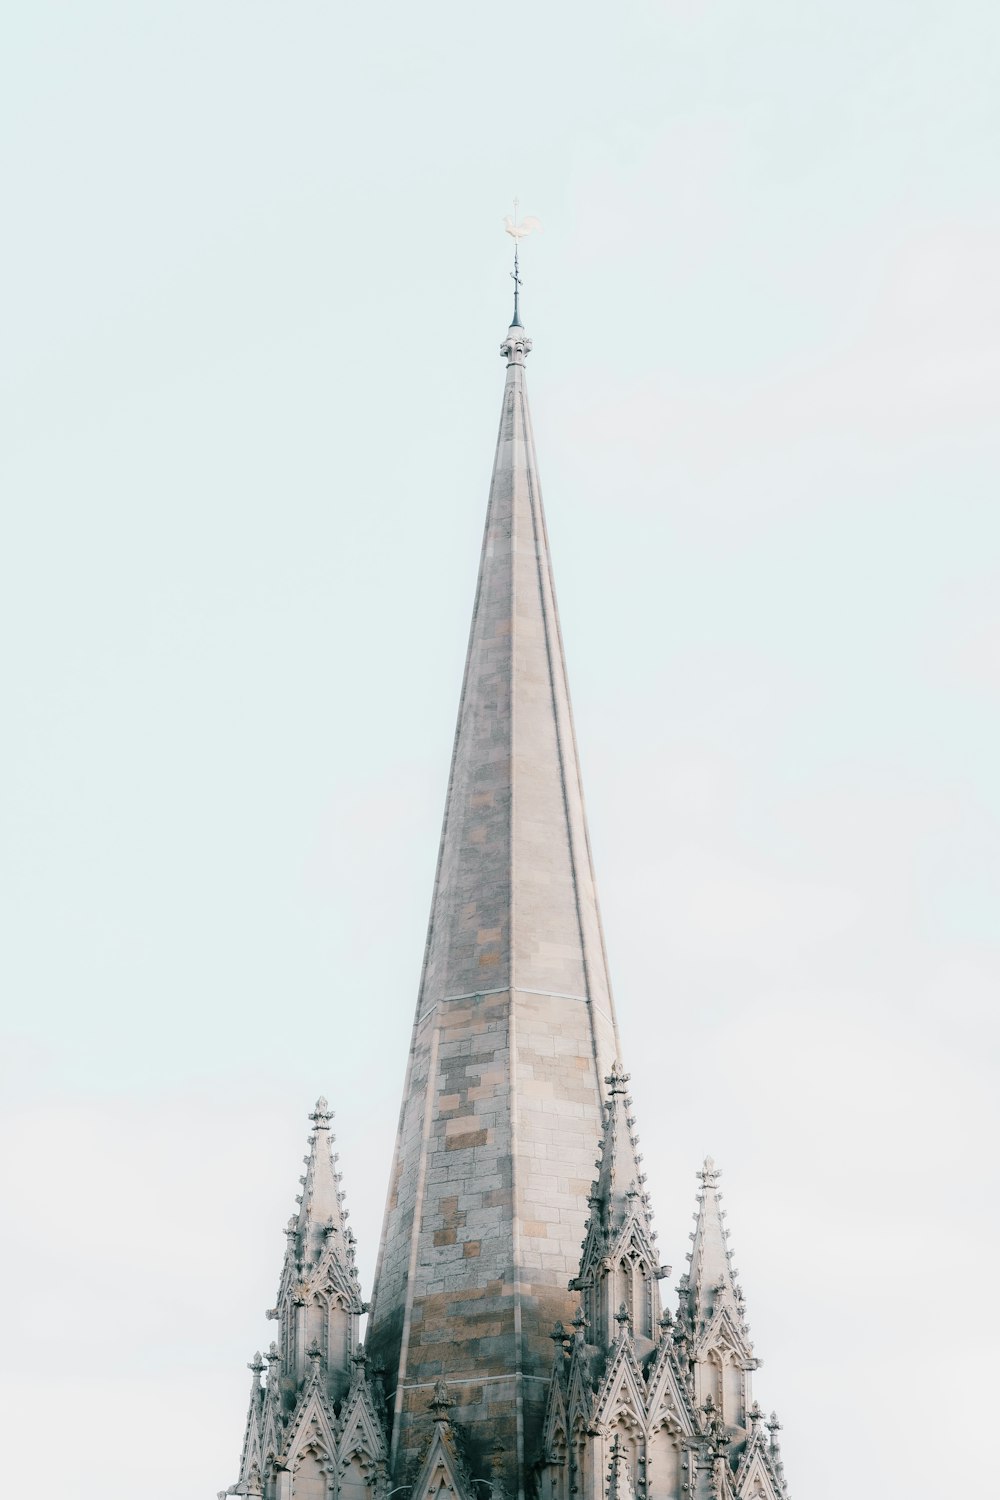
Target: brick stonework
{"points": [[515, 1025]]}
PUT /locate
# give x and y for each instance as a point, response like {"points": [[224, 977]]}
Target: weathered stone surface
{"points": [[515, 1025], [492, 1185]]}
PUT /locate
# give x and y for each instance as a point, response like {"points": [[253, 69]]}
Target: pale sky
{"points": [[255, 281]]}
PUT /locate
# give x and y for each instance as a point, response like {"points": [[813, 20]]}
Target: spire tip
{"points": [[518, 229]]}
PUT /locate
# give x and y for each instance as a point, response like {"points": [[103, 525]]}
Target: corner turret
{"points": [[316, 1415]]}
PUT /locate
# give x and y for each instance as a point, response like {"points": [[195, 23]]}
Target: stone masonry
{"points": [[515, 1023], [498, 1356]]}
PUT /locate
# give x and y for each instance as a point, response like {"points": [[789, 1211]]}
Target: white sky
{"points": [[255, 281]]}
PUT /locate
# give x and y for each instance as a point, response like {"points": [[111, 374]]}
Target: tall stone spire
{"points": [[515, 1026]]}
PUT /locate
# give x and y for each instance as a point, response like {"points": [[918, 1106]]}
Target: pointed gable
{"points": [[668, 1400], [756, 1477], [443, 1468], [556, 1427], [623, 1389], [251, 1461], [313, 1423], [362, 1432], [579, 1388]]}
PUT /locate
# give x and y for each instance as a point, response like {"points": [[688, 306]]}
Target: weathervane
{"points": [[517, 231]]}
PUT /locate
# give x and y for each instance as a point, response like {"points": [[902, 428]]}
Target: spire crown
{"points": [[322, 1114], [617, 1079], [709, 1173], [516, 346]]}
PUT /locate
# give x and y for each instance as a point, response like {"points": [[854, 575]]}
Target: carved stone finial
{"points": [[498, 1454], [623, 1317], [322, 1114], [256, 1364], [617, 1079], [441, 1402], [709, 1173]]}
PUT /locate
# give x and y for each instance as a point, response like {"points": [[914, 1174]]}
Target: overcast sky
{"points": [[255, 281]]}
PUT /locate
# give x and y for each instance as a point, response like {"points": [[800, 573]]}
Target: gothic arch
{"points": [[311, 1473], [556, 1474], [627, 1428], [353, 1480], [663, 1460]]}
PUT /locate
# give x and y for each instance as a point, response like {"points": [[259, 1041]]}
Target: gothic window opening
{"points": [[559, 1468], [309, 1479], [646, 1300], [625, 1279], [353, 1483], [732, 1392]]}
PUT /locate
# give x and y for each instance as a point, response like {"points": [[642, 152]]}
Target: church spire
{"points": [[515, 1026], [513, 1078]]}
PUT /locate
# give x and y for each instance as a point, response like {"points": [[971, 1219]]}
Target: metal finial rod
{"points": [[517, 229], [516, 320]]}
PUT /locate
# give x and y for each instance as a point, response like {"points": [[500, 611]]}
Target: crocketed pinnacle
{"points": [[619, 1186], [317, 1412], [711, 1279], [320, 1227]]}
